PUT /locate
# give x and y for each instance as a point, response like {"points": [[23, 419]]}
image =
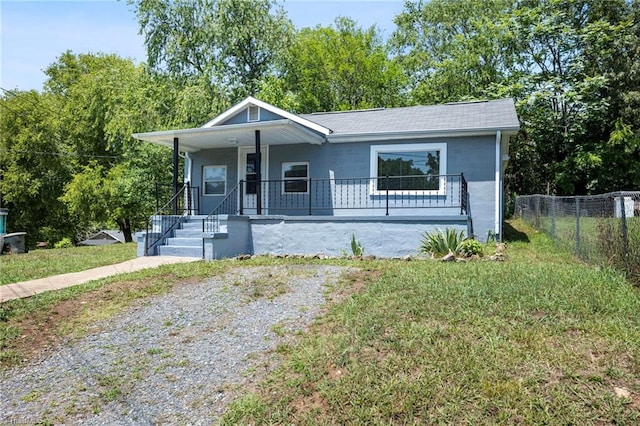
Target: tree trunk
{"points": [[125, 228]]}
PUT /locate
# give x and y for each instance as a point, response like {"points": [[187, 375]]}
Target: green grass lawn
{"points": [[45, 263], [537, 339]]}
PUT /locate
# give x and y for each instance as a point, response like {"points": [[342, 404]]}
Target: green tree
{"points": [[562, 87], [342, 67], [34, 166], [452, 50], [618, 58], [232, 44], [572, 67], [121, 194], [104, 99]]}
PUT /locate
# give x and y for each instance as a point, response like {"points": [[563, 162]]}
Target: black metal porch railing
{"points": [[185, 202], [389, 194], [324, 196]]}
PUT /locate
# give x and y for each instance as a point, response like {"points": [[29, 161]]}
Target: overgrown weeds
{"points": [[620, 247]]}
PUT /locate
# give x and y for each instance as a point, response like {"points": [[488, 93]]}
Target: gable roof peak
{"points": [[250, 100]]}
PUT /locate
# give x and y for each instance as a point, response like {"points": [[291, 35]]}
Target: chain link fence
{"points": [[601, 229]]}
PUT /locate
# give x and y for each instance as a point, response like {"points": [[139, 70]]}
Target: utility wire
{"points": [[60, 154], [16, 113], [36, 104]]}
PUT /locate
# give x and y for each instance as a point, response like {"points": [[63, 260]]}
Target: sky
{"points": [[33, 34]]}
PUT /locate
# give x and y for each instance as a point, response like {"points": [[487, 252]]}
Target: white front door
{"points": [[247, 172]]}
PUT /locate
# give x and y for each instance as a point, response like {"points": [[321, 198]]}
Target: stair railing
{"points": [[464, 196], [231, 204], [167, 218]]}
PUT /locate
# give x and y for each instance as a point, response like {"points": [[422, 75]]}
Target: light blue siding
{"points": [[304, 235], [472, 156], [241, 117], [214, 157], [475, 157]]}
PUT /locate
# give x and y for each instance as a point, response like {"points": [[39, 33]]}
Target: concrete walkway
{"points": [[56, 282]]}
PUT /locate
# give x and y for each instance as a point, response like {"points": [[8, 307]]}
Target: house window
{"points": [[418, 168], [214, 180], [253, 113], [295, 177]]}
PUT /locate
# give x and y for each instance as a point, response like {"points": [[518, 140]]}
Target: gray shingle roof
{"points": [[106, 236], [463, 116]]}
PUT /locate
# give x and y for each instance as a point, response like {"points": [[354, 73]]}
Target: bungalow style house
{"points": [[261, 180]]}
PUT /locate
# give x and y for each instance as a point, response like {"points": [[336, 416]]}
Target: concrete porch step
{"points": [[192, 224], [195, 224], [187, 240], [182, 241], [185, 251], [189, 233]]}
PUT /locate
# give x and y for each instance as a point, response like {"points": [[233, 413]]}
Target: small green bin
{"points": [[3, 220]]}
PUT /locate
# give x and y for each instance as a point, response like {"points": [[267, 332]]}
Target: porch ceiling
{"points": [[276, 132]]}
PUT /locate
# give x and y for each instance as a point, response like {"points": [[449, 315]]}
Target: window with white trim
{"points": [[214, 180], [295, 177], [417, 168]]}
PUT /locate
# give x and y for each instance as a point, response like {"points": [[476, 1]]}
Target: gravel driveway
{"points": [[179, 358]]}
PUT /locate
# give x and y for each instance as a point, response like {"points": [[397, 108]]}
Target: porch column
{"points": [[497, 226], [258, 175], [175, 175]]}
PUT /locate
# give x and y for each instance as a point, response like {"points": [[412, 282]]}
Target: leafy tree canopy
{"points": [[452, 50], [232, 44], [342, 67], [570, 65], [34, 166]]}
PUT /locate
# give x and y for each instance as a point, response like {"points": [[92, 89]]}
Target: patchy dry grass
{"points": [[31, 324], [538, 339]]}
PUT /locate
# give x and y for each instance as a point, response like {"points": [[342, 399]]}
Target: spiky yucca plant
{"points": [[440, 243]]}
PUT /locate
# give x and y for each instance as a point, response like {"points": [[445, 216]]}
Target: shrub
{"points": [[471, 247], [440, 243], [63, 243]]}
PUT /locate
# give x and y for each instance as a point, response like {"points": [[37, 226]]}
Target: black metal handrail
{"points": [[464, 195], [231, 204], [159, 225]]}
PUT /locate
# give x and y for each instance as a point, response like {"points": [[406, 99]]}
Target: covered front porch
{"points": [[364, 196], [387, 221]]}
